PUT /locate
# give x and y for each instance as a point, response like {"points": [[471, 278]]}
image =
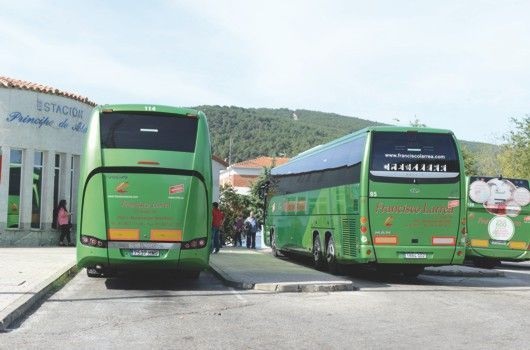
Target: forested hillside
{"points": [[277, 132]]}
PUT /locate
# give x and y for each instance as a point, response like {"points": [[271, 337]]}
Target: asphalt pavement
{"points": [[28, 275]]}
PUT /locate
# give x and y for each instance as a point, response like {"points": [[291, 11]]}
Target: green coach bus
{"points": [[145, 191], [391, 196], [498, 220]]}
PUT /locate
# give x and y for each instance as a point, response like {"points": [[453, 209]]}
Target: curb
{"points": [[460, 273], [285, 287], [18, 308], [306, 287]]}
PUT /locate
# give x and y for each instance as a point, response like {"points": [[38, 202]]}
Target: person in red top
{"points": [[217, 221]]}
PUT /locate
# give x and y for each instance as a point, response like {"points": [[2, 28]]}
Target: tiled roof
{"points": [[219, 160], [261, 162], [26, 85]]}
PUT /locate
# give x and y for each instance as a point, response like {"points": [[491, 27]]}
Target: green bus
{"points": [[498, 220], [388, 196], [145, 191]]}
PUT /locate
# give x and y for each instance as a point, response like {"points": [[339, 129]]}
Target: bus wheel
{"points": [[273, 245], [485, 263], [93, 273], [318, 259], [412, 270], [331, 258]]}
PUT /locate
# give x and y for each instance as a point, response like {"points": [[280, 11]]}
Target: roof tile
{"points": [[26, 85], [261, 162]]}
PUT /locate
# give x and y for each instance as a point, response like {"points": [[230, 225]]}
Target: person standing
{"points": [[63, 222], [217, 222], [238, 231], [251, 227]]}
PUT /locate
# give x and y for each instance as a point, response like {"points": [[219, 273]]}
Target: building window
{"points": [[36, 190], [13, 202], [56, 180]]}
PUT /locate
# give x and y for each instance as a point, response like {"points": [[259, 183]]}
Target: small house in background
{"points": [[218, 165], [241, 175]]}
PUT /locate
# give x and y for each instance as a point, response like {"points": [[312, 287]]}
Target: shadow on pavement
{"points": [[367, 276]]}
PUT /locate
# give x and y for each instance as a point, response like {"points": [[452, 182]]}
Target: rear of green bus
{"points": [[415, 211], [145, 191], [498, 220]]}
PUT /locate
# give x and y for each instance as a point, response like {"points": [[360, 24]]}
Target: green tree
{"points": [[232, 204], [258, 193], [417, 123], [470, 161], [515, 154]]}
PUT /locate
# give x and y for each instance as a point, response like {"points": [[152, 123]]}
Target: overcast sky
{"points": [[460, 65]]}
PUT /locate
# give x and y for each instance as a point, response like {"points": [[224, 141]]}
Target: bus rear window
{"points": [[148, 131], [414, 155]]}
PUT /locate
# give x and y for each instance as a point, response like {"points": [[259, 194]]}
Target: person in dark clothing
{"points": [[238, 231], [251, 227]]}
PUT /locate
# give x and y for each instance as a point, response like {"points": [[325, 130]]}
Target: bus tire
{"points": [[331, 257], [318, 259], [273, 245], [93, 273]]}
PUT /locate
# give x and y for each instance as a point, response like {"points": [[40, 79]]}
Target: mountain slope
{"points": [[279, 132]]}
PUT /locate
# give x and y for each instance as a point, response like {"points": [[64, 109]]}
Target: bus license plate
{"points": [[145, 252], [415, 255]]}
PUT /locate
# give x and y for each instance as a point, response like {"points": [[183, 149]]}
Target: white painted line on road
{"points": [[238, 295]]}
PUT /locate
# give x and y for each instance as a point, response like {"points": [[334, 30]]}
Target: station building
{"points": [[42, 134]]}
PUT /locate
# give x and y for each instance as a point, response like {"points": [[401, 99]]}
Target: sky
{"points": [[459, 65]]}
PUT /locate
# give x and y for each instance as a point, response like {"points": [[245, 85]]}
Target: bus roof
{"points": [[148, 108], [359, 133]]}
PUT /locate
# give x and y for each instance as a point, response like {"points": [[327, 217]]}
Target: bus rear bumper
{"points": [[118, 259], [500, 254], [419, 255]]}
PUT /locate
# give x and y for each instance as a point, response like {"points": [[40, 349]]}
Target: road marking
{"points": [[238, 295]]}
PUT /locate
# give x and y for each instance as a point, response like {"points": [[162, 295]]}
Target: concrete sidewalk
{"points": [[27, 275], [250, 269]]}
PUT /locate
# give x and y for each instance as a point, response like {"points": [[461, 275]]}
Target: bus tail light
{"points": [[93, 241], [386, 240], [481, 243], [197, 243], [517, 245], [443, 241]]}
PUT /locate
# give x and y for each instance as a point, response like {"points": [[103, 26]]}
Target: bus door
{"points": [[414, 197], [498, 217]]}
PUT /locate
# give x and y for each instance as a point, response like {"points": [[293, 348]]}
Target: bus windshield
{"points": [[148, 131], [413, 155]]}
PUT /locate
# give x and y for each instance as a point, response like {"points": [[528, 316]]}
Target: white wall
{"points": [[216, 170], [34, 121]]}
